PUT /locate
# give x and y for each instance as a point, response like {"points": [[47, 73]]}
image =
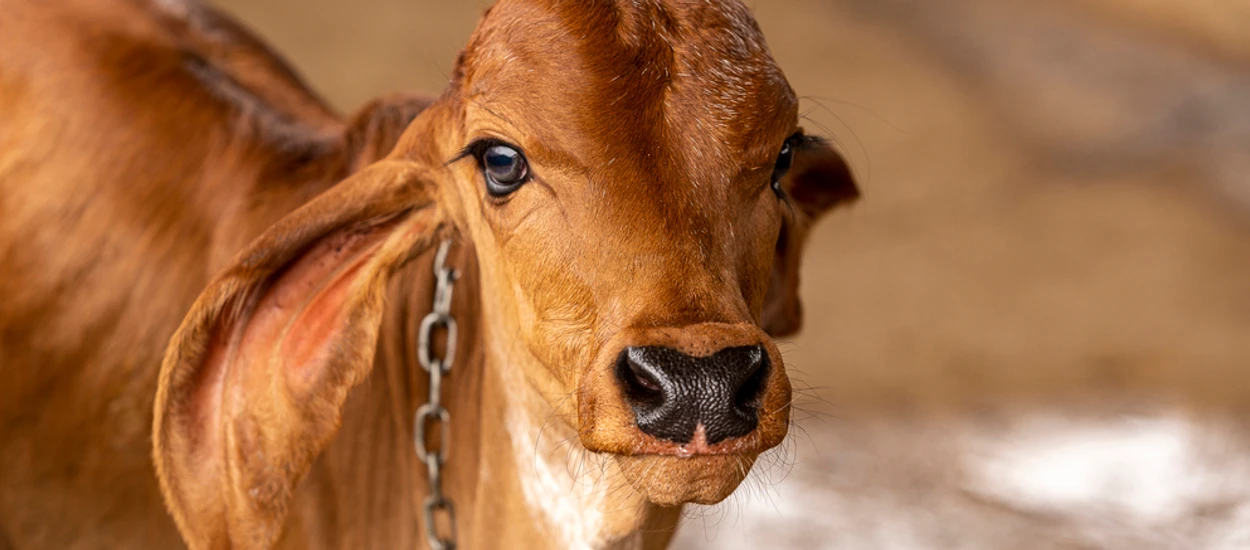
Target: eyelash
{"points": [[795, 142], [478, 148]]}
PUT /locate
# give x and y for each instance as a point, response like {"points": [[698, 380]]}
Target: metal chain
{"points": [[433, 414]]}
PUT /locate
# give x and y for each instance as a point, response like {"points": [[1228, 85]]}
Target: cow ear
{"points": [[818, 180], [253, 382], [376, 128]]}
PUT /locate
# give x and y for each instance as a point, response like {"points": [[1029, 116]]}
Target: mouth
{"points": [[669, 473], [674, 480], [750, 444]]}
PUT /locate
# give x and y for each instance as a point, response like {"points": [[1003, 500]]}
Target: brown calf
{"points": [[629, 191]]}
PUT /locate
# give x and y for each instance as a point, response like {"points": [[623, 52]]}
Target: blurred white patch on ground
{"points": [[1138, 466], [1037, 480]]}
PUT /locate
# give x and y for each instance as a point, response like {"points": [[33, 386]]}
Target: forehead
{"points": [[635, 79]]}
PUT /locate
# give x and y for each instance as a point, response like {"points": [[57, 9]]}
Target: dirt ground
{"points": [[1034, 331]]}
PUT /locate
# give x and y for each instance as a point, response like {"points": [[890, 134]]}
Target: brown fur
{"points": [[145, 149]]}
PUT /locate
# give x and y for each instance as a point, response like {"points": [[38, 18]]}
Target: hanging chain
{"points": [[433, 414]]}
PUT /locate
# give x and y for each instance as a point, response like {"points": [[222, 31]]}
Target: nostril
{"points": [[641, 384], [748, 397], [643, 378]]}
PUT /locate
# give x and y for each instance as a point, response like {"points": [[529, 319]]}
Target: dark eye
{"points": [[784, 159], [504, 167]]}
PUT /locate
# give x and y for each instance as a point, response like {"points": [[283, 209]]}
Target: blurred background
{"points": [[1034, 331]]}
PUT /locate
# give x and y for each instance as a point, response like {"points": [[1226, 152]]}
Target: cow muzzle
{"points": [[687, 410], [702, 389]]}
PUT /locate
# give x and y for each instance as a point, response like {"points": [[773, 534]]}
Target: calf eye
{"points": [[504, 167], [784, 159]]}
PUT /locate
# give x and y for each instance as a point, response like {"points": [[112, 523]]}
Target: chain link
{"points": [[432, 414]]}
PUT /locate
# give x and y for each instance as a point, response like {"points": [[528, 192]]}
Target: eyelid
{"points": [[479, 146], [795, 141]]}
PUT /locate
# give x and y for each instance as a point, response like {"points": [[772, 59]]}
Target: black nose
{"points": [[673, 393]]}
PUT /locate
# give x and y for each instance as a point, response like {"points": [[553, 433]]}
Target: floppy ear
{"points": [[818, 180], [253, 382]]}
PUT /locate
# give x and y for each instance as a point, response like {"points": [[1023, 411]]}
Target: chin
{"points": [[673, 480]]}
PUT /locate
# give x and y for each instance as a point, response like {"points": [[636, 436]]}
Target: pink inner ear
{"points": [[310, 336], [287, 336]]}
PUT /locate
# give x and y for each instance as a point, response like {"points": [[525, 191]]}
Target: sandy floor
{"points": [[1033, 332]]}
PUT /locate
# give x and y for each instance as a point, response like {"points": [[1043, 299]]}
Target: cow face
{"points": [[637, 188]]}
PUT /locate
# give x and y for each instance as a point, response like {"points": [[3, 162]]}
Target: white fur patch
{"points": [[571, 502]]}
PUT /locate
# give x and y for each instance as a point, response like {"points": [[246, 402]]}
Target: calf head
{"points": [[636, 186]]}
